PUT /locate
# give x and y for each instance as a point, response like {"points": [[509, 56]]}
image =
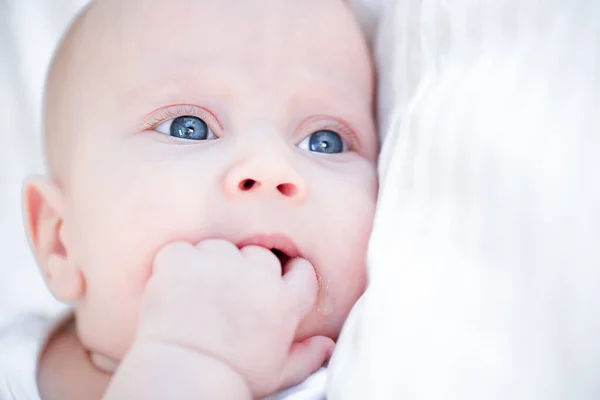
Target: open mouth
{"points": [[281, 256], [280, 245]]}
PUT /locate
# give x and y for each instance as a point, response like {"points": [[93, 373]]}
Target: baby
{"points": [[211, 193]]}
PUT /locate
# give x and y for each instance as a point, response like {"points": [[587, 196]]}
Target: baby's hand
{"points": [[235, 306]]}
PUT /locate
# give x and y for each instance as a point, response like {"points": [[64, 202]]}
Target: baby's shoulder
{"points": [[43, 358]]}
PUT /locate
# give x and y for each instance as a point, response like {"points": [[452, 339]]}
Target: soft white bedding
{"points": [[484, 262]]}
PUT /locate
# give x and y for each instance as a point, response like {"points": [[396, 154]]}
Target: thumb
{"points": [[305, 358], [301, 280]]}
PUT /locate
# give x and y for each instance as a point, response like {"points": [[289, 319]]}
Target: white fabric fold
{"points": [[484, 264]]}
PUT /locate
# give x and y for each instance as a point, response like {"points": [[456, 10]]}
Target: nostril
{"points": [[248, 184], [287, 189]]}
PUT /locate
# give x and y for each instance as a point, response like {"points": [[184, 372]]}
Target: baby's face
{"points": [[225, 119]]}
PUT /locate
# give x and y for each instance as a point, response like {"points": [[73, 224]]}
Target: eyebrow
{"points": [[149, 94]]}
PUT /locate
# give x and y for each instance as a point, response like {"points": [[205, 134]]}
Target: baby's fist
{"points": [[233, 305]]}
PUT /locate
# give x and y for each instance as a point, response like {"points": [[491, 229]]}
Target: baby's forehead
{"points": [[170, 38], [219, 17], [134, 37], [258, 30]]}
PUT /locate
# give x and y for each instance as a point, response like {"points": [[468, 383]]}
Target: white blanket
{"points": [[484, 263]]}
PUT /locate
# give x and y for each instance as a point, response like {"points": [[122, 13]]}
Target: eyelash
{"points": [[342, 130], [178, 111], [173, 112]]}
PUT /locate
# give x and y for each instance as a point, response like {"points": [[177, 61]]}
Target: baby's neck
{"points": [[65, 370]]}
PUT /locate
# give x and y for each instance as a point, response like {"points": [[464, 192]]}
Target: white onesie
{"points": [[22, 342]]}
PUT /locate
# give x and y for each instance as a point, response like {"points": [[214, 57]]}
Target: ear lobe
{"points": [[43, 207]]}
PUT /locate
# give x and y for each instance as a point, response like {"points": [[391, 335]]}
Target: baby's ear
{"points": [[43, 205]]}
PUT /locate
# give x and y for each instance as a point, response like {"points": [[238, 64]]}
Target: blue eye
{"points": [[325, 142], [186, 127]]}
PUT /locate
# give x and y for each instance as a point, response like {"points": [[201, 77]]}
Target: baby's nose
{"points": [[287, 189], [264, 176]]}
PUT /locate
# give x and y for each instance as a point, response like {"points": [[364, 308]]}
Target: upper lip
{"points": [[272, 242]]}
